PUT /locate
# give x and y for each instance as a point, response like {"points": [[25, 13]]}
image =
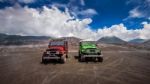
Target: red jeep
{"points": [[57, 50]]}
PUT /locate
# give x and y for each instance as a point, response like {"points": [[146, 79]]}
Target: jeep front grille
{"points": [[92, 51], [53, 52]]}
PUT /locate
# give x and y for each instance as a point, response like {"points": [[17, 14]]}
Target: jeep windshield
{"points": [[56, 43], [88, 45]]}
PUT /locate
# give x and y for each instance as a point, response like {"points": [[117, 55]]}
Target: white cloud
{"points": [[145, 32], [119, 31], [140, 10], [53, 22], [15, 1], [88, 12], [82, 2], [9, 1], [135, 13], [144, 23], [59, 5], [74, 7], [26, 1], [1, 0], [84, 13], [122, 32]]}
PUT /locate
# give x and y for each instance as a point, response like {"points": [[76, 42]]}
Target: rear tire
{"points": [[67, 56], [95, 59]]}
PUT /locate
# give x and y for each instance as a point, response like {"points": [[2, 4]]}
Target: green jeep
{"points": [[89, 50]]}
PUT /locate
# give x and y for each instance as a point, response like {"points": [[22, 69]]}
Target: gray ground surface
{"points": [[21, 65]]}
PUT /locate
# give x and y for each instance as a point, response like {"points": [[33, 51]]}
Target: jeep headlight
{"points": [[57, 52], [83, 50], [98, 51]]}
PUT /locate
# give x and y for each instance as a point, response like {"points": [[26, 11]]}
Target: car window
{"points": [[57, 43]]}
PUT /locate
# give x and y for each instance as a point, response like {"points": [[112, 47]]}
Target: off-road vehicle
{"points": [[88, 50], [57, 50]]}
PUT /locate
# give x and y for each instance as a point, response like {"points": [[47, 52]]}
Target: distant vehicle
{"points": [[89, 50], [57, 50]]}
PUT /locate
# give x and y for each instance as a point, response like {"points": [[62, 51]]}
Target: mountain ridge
{"points": [[20, 40], [111, 40], [137, 41]]}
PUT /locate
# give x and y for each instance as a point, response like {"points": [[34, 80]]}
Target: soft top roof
{"points": [[88, 45], [58, 39]]}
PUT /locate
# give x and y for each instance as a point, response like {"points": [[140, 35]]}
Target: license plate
{"points": [[92, 50], [52, 54]]}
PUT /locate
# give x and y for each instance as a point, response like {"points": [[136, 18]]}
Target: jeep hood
{"points": [[88, 46], [57, 48]]}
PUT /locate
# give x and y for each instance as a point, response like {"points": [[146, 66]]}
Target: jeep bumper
{"points": [[50, 57], [92, 55]]}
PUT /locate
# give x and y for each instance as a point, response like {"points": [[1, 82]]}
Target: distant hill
{"points": [[73, 42], [143, 45], [20, 40], [111, 40], [147, 42], [137, 41]]}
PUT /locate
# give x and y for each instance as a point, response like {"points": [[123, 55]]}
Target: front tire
{"points": [[79, 56], [63, 59], [100, 59], [82, 59], [44, 61]]}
